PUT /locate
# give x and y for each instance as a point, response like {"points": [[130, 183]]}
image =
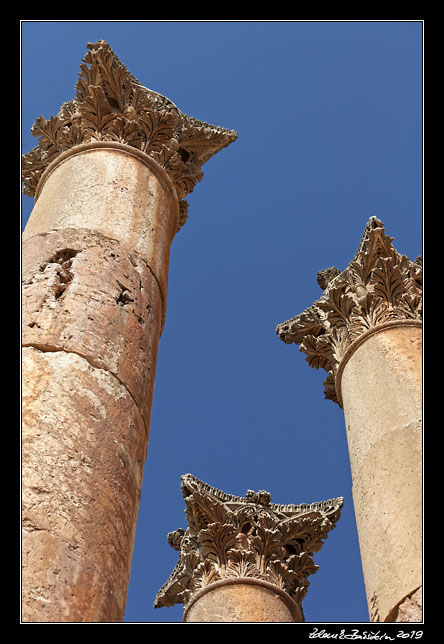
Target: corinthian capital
{"points": [[379, 286], [232, 537], [111, 105]]}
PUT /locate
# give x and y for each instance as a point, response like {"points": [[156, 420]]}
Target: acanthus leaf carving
{"points": [[205, 573], [158, 128], [242, 563], [378, 286], [245, 537], [96, 116], [51, 134], [215, 542]]}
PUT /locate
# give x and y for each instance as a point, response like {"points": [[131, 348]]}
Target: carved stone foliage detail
{"points": [[232, 537], [379, 285], [111, 105]]}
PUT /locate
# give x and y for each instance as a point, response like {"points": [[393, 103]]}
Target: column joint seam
{"points": [[48, 348]]}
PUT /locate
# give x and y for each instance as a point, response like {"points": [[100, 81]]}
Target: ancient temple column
{"points": [[244, 559], [109, 177], [365, 331]]}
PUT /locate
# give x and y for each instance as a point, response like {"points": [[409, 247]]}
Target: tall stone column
{"points": [[366, 332], [109, 177], [244, 559]]}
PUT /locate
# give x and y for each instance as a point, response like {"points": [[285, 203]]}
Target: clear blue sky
{"points": [[329, 118]]}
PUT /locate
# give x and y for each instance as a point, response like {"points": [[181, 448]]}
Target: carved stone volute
{"points": [[231, 537], [379, 287], [111, 105]]}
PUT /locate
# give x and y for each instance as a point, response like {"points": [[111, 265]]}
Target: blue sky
{"points": [[329, 122]]}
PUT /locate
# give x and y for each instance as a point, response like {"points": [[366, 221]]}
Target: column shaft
{"points": [[113, 189], [242, 600], [382, 400], [109, 176], [365, 331], [95, 268]]}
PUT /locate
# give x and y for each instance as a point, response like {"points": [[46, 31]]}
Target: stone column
{"points": [[365, 331], [244, 559], [109, 177]]}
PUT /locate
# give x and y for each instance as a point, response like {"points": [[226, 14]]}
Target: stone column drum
{"points": [[244, 559], [109, 176], [366, 332]]}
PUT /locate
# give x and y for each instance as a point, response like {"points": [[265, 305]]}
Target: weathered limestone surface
{"points": [[87, 294], [366, 332], [244, 558], [92, 315], [84, 446], [381, 390], [109, 189], [109, 176]]}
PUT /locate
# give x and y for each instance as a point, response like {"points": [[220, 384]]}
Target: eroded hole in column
{"points": [[62, 255], [140, 320], [61, 262], [124, 296]]}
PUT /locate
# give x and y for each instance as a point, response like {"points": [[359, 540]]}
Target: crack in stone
{"points": [[162, 294], [29, 526], [48, 348]]}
